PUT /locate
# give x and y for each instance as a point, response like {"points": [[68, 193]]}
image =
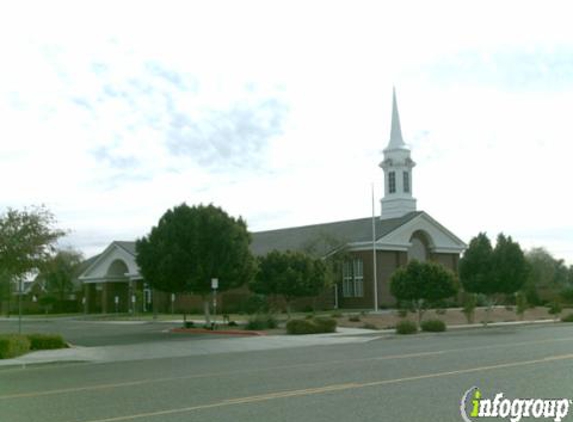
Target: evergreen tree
{"points": [[192, 245]]}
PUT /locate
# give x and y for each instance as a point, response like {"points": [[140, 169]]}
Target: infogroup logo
{"points": [[474, 406]]}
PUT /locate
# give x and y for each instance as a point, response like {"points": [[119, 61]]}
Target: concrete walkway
{"points": [[155, 350]]}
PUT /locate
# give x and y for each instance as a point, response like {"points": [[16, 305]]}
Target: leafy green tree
{"points": [[290, 275], [476, 266], [58, 273], [508, 265], [333, 251], [520, 304], [547, 277], [192, 245], [6, 286], [422, 284], [492, 272], [27, 240]]}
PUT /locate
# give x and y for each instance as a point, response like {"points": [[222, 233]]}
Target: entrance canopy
{"points": [[115, 264]]}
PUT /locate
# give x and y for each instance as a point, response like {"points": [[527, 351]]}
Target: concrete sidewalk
{"points": [[157, 350], [169, 349]]}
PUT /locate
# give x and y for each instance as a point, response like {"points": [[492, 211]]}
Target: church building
{"points": [[376, 247]]}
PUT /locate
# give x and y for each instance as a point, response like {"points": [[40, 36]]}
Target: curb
{"points": [[225, 332]]}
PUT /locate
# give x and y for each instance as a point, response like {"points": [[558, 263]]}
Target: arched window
{"points": [[420, 244], [117, 268]]}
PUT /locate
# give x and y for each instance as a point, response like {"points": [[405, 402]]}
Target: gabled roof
{"points": [[93, 262], [321, 239], [128, 246], [325, 237]]}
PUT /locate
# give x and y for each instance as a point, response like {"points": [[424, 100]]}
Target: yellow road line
{"points": [[207, 375], [327, 389], [238, 372]]}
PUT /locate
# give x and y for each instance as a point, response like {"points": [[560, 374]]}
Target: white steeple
{"points": [[397, 166]]}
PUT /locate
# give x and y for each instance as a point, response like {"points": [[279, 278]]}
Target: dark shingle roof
{"points": [[128, 246], [325, 237], [321, 238]]}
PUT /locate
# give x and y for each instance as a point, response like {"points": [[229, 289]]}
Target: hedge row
{"points": [[410, 327], [311, 326], [262, 322], [13, 345], [46, 341]]}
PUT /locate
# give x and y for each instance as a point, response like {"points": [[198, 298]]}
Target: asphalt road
{"points": [[412, 378], [98, 333]]}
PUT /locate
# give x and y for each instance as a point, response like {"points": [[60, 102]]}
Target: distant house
{"points": [[376, 246]]}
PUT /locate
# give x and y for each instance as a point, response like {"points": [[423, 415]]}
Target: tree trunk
{"points": [[206, 310], [489, 307], [287, 304], [419, 310]]}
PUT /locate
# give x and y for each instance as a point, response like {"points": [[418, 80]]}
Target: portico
{"points": [[112, 282]]}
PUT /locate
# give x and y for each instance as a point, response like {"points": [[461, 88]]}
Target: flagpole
{"points": [[374, 253]]}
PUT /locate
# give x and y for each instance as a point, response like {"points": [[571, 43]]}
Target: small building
{"points": [[377, 246]]}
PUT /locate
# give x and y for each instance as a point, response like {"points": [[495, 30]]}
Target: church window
{"points": [[406, 180], [392, 182], [353, 278]]}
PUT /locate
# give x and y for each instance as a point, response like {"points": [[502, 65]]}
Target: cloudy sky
{"points": [[113, 112]]}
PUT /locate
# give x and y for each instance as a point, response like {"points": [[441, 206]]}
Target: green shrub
{"points": [[402, 312], [469, 303], [301, 326], [232, 324], [188, 324], [262, 322], [555, 308], [520, 304], [325, 325], [336, 314], [354, 318], [567, 295], [433, 325], [567, 318], [406, 327], [13, 345], [46, 341], [311, 326], [255, 304]]}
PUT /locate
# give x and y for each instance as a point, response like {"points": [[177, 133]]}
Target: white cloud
{"points": [[89, 98]]}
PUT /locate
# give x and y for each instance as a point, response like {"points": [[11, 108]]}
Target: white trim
{"points": [[363, 246], [113, 249], [454, 245]]}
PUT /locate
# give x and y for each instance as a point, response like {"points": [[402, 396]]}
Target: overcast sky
{"points": [[113, 112]]}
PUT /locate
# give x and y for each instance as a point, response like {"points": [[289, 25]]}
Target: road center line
{"points": [[328, 388], [207, 375], [238, 372]]}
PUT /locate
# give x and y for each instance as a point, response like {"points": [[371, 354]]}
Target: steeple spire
{"points": [[397, 166], [396, 140]]}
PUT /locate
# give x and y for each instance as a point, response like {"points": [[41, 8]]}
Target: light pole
{"points": [[214, 286], [19, 306]]}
